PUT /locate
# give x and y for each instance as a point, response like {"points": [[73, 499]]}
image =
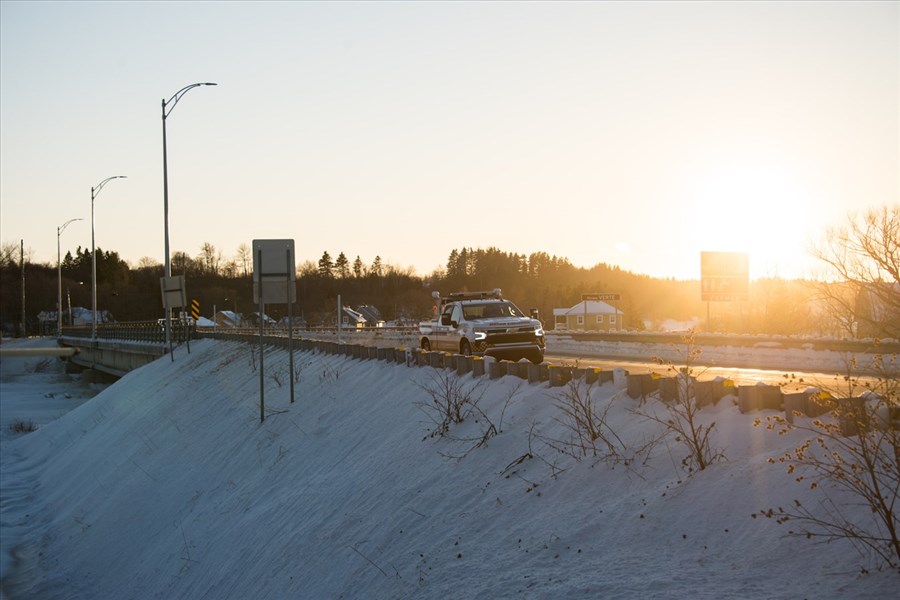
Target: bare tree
{"points": [[9, 254], [209, 258], [244, 259], [147, 262], [864, 255]]}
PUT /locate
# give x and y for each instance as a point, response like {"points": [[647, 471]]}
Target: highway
{"points": [[791, 381]]}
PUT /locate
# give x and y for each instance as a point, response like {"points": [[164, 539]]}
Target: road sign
{"points": [[173, 293], [274, 275], [601, 297], [195, 309], [724, 277]]}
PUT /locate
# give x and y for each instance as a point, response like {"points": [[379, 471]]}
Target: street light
{"points": [[95, 191], [167, 107], [59, 231]]}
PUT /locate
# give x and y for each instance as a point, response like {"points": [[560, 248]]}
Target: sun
{"points": [[758, 208]]}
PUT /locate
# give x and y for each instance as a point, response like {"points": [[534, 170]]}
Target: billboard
{"points": [[724, 276]]}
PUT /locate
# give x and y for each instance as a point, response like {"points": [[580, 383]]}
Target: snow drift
{"points": [[166, 485]]}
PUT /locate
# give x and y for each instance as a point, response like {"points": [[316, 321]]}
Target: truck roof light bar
{"points": [[456, 296]]}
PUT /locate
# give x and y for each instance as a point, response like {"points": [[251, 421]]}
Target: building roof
{"points": [[594, 307], [354, 316]]}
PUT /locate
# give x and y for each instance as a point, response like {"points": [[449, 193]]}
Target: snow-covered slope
{"points": [[166, 485]]}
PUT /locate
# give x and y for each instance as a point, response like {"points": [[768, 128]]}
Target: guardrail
{"points": [[152, 331], [134, 331]]}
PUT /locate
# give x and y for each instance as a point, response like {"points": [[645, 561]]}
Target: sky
{"points": [[636, 134], [137, 493]]}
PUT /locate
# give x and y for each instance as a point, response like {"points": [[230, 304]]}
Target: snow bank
{"points": [[166, 485]]}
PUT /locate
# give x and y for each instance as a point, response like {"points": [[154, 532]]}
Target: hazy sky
{"points": [[631, 133]]}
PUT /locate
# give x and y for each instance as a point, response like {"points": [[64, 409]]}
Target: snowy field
{"points": [[166, 485]]}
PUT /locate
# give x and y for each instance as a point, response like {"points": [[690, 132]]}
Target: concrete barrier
{"points": [[559, 376], [496, 369], [638, 385], [517, 369], [463, 364], [759, 397], [477, 366], [436, 359], [795, 402]]}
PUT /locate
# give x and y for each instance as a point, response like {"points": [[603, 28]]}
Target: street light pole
{"points": [[167, 107], [59, 231], [95, 191]]}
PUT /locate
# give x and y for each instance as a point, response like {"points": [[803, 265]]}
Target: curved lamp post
{"points": [[167, 107], [95, 191], [59, 231]]}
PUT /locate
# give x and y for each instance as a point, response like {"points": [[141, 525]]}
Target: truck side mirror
{"points": [[454, 323], [535, 314]]}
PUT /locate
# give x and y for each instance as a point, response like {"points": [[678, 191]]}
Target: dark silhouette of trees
{"points": [[536, 280]]}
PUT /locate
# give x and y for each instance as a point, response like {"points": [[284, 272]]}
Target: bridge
{"points": [[119, 347], [122, 347]]}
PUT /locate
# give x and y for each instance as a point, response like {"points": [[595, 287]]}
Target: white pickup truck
{"points": [[483, 323]]}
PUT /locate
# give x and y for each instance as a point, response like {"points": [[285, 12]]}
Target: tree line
{"points": [[845, 307]]}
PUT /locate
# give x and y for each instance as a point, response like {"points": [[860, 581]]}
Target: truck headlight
{"points": [[539, 331], [480, 336]]}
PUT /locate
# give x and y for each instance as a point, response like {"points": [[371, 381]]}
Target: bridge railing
{"points": [[135, 331]]}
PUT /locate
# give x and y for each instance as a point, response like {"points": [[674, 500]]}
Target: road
{"points": [[791, 381]]}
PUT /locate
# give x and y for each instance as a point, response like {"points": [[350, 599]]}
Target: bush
{"points": [[23, 427], [854, 448]]}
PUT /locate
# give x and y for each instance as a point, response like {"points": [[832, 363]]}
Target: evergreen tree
{"points": [[326, 266], [342, 266]]}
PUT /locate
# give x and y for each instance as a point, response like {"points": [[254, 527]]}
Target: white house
{"points": [[588, 315]]}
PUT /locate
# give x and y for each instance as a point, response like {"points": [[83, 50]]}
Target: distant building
{"points": [[352, 319], [588, 315], [227, 318], [371, 314]]}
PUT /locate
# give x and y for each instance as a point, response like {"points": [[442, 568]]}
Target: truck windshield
{"points": [[490, 310]]}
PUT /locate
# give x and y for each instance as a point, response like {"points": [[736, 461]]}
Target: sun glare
{"points": [[758, 209]]}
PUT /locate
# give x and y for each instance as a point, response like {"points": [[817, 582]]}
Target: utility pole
{"points": [[22, 260]]}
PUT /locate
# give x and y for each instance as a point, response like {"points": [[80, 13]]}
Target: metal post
{"points": [[59, 231], [95, 191], [59, 287], [167, 271], [262, 403], [290, 321], [168, 267], [339, 315], [93, 275], [22, 260]]}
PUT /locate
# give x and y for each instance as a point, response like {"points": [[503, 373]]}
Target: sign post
{"points": [[174, 295], [274, 280]]}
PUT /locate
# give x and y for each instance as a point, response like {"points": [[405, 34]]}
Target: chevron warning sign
{"points": [[195, 309]]}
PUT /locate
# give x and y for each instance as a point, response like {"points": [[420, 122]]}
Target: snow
{"points": [[760, 355], [166, 485]]}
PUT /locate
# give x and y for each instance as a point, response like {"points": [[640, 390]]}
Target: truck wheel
{"points": [[426, 346], [464, 348]]}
